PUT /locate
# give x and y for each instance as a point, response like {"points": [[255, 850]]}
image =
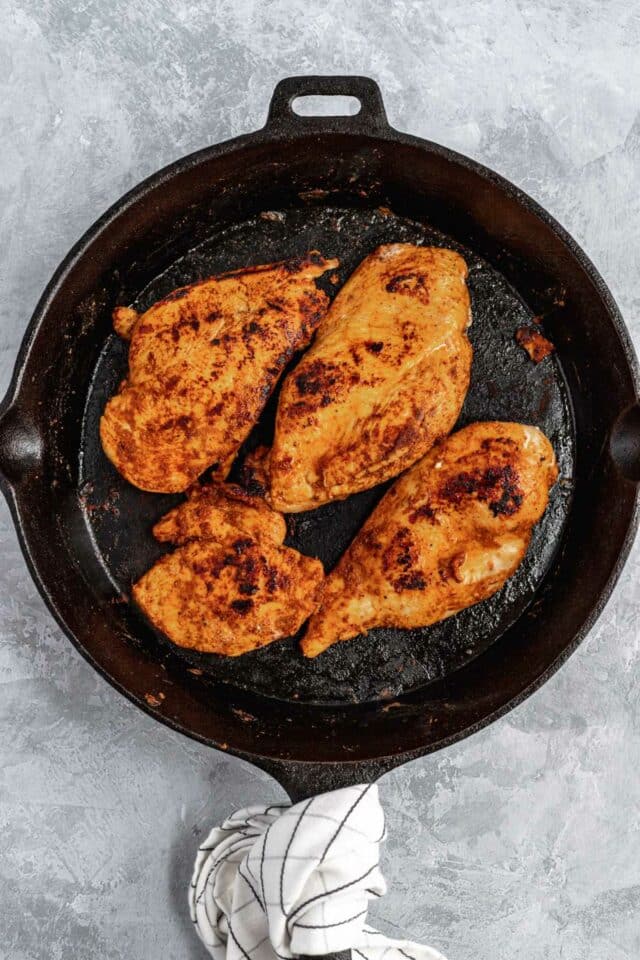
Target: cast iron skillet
{"points": [[341, 185]]}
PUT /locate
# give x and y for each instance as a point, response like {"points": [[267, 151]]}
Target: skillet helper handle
{"points": [[4, 443], [624, 443], [20, 445], [371, 118]]}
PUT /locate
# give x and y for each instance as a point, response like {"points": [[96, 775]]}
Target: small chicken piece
{"points": [[385, 379], [202, 364], [231, 586], [217, 511], [447, 534], [124, 320]]}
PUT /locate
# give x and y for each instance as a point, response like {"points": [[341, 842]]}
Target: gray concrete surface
{"points": [[522, 841]]}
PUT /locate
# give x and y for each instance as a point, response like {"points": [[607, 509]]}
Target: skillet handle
{"points": [[371, 118], [624, 443], [304, 780], [343, 955], [20, 446]]}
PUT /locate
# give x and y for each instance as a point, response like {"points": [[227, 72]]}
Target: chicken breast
{"points": [[202, 364], [447, 534], [385, 379], [231, 586]]}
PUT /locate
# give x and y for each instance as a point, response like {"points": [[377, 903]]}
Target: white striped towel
{"points": [[286, 881]]}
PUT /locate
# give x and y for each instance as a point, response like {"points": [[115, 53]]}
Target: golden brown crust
{"points": [[384, 379], [216, 511], [202, 364], [124, 320], [230, 586], [447, 534]]}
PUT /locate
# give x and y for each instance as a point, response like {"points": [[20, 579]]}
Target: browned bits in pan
{"points": [[154, 700], [536, 345]]}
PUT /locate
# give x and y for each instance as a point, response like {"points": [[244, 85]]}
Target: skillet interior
{"points": [[505, 385], [76, 536]]}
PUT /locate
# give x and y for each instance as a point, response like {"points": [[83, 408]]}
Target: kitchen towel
{"points": [[295, 880]]}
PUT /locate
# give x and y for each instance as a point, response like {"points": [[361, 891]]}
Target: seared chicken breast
{"points": [[230, 586], [202, 364], [384, 380], [447, 534]]}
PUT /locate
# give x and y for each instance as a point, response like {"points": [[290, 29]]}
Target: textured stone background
{"points": [[522, 841]]}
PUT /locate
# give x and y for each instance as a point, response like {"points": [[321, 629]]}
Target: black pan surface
{"points": [[506, 385]]}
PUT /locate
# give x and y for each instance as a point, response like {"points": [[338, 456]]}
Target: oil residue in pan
{"points": [[505, 385]]}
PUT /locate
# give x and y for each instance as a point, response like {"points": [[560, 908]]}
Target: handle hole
{"points": [[315, 105]]}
